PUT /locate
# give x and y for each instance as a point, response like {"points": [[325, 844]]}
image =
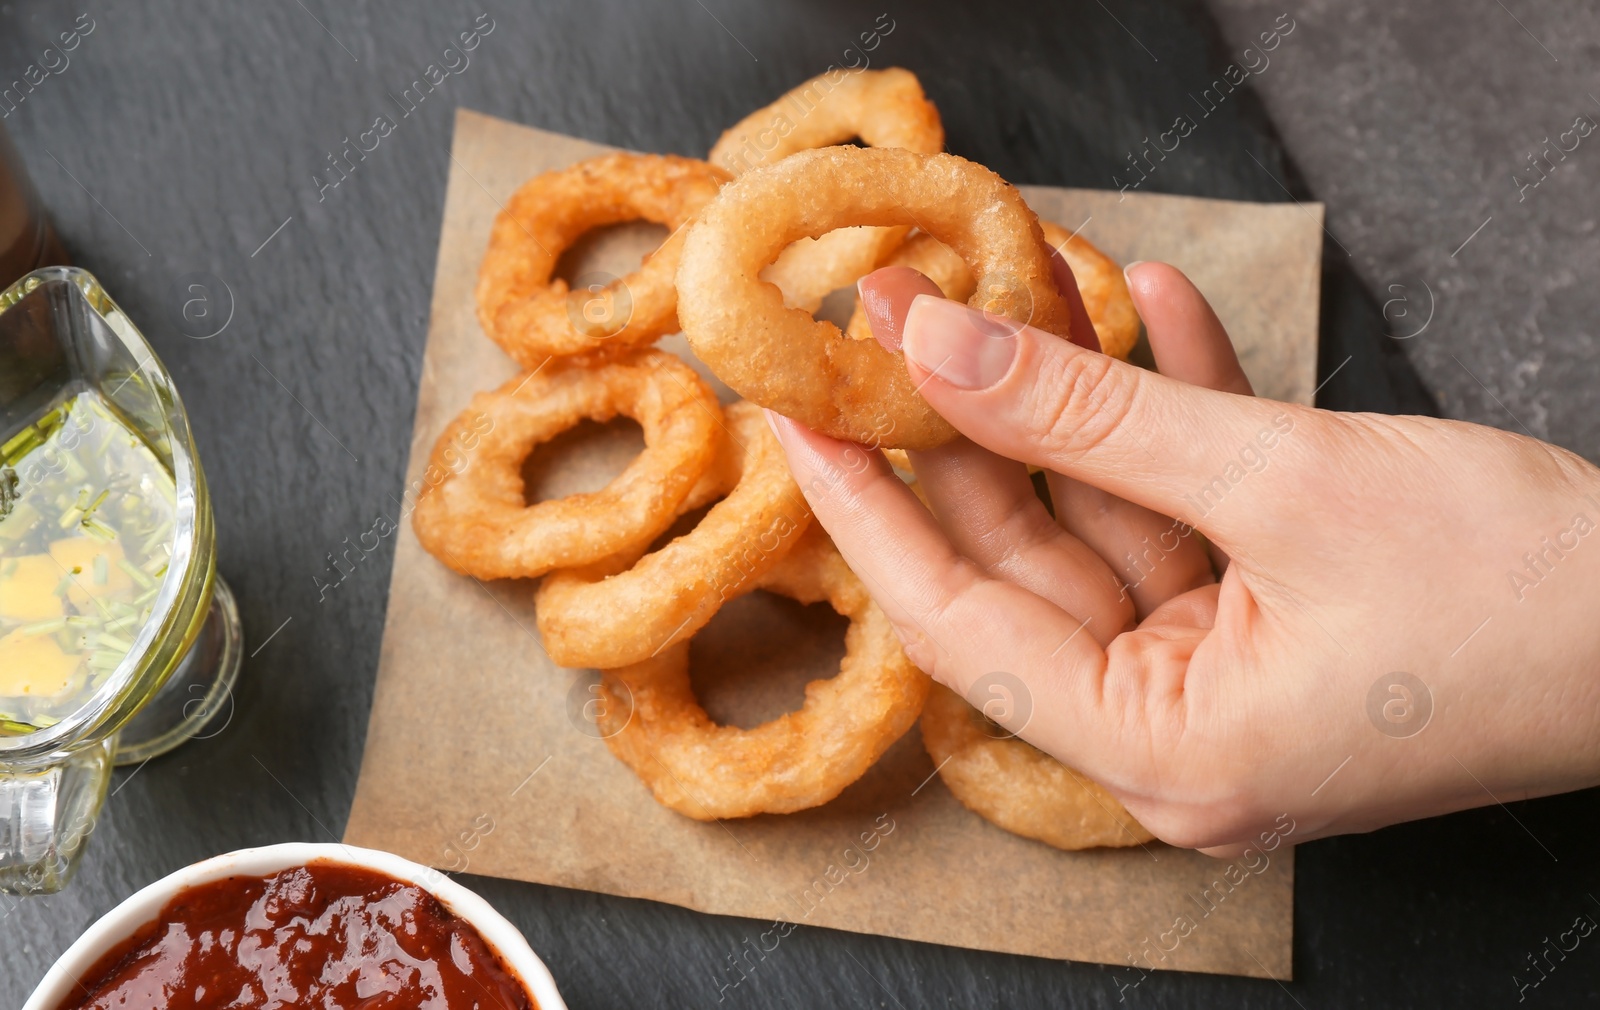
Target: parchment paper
{"points": [[479, 757]]}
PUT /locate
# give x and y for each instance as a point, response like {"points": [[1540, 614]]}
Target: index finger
{"points": [[1187, 339], [956, 621]]}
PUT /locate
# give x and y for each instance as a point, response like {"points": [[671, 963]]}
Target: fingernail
{"points": [[886, 295], [1127, 276], [772, 423], [879, 312], [960, 345]]}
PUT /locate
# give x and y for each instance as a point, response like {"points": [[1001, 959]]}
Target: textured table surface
{"points": [[179, 142]]}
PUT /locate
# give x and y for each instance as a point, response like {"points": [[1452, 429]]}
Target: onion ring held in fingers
{"points": [[883, 108], [806, 368]]}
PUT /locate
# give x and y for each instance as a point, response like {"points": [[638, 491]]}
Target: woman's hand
{"points": [[1407, 622]]}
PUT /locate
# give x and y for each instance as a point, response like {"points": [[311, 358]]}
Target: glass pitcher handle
{"points": [[46, 815]]}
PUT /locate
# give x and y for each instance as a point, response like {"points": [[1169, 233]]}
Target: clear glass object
{"points": [[61, 334]]}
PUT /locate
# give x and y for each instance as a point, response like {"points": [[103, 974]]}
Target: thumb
{"points": [[1199, 455]]}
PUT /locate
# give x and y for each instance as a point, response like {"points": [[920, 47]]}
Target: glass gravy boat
{"points": [[63, 341]]}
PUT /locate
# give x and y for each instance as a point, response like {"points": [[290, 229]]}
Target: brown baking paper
{"points": [[479, 757]]}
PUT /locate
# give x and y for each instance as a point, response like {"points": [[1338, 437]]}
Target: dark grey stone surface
{"points": [[1415, 122], [185, 139]]}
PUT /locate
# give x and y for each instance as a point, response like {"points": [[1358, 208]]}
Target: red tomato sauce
{"points": [[325, 935]]}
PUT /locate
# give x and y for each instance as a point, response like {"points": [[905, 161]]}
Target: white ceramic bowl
{"points": [[144, 906]]}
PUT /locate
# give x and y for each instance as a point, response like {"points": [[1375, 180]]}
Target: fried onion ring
{"points": [[884, 108], [806, 368], [1100, 282], [475, 519], [531, 314], [1103, 287], [1015, 786], [653, 723], [613, 614]]}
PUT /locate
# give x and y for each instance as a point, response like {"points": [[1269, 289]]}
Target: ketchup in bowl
{"points": [[324, 935]]}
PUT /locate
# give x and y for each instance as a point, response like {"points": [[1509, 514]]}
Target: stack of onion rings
{"points": [[595, 618], [851, 389], [476, 520], [651, 720], [1017, 787], [531, 314], [805, 219]]}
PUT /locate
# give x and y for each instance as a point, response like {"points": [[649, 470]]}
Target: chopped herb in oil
{"points": [[86, 523]]}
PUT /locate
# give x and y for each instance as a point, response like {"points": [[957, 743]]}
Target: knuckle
{"points": [[946, 607], [1021, 526], [1182, 829], [924, 655], [947, 614], [1190, 827], [1080, 401]]}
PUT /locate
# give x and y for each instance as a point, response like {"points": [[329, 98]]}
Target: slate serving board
{"points": [[185, 142]]}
